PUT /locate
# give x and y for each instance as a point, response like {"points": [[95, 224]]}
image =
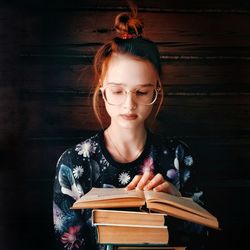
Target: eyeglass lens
{"points": [[116, 95]]}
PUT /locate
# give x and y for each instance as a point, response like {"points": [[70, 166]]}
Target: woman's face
{"points": [[128, 82]]}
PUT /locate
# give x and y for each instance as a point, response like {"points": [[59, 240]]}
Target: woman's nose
{"points": [[130, 102]]}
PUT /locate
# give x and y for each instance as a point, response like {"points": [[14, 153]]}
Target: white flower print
{"points": [[77, 172], [124, 178], [104, 163], [85, 148], [176, 164], [58, 218], [188, 160], [79, 189]]}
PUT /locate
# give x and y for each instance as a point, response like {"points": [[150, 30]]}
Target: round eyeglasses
{"points": [[116, 94]]}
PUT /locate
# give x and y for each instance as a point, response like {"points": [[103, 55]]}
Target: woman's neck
{"points": [[125, 145]]}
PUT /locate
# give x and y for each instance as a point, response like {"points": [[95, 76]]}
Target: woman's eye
{"points": [[140, 92], [117, 91]]}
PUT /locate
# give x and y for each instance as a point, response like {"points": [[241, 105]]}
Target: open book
{"points": [[179, 207]]}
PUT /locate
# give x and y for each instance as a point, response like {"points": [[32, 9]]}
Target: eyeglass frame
{"points": [[156, 89]]}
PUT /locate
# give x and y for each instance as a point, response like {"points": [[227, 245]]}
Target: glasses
{"points": [[116, 95]]}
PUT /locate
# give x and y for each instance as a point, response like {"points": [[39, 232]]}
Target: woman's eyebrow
{"points": [[115, 83], [146, 85]]}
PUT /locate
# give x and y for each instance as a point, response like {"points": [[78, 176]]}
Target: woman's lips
{"points": [[129, 116]]}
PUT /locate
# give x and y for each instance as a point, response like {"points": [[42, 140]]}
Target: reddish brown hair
{"points": [[138, 47]]}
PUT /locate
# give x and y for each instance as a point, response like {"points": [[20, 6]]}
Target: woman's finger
{"points": [[154, 182], [167, 187], [134, 182], [146, 177]]}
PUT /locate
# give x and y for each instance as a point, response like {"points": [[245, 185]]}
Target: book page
{"points": [[183, 203], [183, 214], [98, 194]]}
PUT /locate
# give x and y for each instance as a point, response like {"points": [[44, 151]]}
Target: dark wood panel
{"points": [[145, 5], [57, 77], [10, 116], [216, 76], [181, 115], [205, 51], [186, 34], [215, 115], [83, 53]]}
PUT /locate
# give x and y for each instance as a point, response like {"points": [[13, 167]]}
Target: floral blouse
{"points": [[89, 164]]}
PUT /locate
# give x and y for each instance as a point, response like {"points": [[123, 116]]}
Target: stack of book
{"points": [[130, 227]]}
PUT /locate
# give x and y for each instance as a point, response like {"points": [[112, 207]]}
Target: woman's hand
{"points": [[148, 181]]}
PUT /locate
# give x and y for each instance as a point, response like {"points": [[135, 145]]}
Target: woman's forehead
{"points": [[129, 70], [124, 85]]}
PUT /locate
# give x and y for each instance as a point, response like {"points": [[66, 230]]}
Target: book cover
{"points": [[132, 234], [104, 216]]}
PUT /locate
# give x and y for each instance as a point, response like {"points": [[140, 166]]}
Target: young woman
{"points": [[125, 153]]}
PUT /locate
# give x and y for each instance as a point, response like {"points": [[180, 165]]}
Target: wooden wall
{"points": [[46, 54]]}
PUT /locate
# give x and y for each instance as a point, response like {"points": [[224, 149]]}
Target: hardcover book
{"points": [[179, 207]]}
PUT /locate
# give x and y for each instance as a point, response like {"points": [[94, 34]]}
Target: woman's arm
{"points": [[71, 226]]}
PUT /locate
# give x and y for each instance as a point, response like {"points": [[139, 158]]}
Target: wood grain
{"points": [[184, 34], [46, 77]]}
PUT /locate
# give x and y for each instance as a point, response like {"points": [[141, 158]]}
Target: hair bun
{"points": [[128, 24]]}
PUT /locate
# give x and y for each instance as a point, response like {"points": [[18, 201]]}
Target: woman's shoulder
{"points": [[87, 147], [83, 149]]}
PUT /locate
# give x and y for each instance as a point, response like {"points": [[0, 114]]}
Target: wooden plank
{"points": [[84, 53], [182, 115], [201, 47], [145, 5], [199, 33], [174, 5], [10, 116], [181, 76]]}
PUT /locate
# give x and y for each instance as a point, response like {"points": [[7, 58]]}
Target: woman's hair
{"points": [[129, 41]]}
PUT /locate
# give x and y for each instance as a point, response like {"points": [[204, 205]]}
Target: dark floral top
{"points": [[89, 164]]}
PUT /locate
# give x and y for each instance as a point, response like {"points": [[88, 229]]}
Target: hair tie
{"points": [[128, 36]]}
